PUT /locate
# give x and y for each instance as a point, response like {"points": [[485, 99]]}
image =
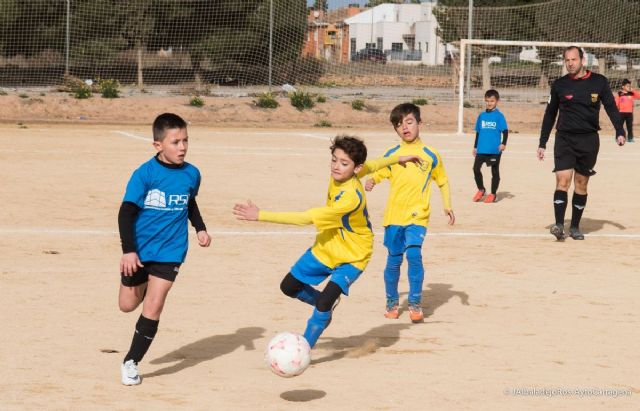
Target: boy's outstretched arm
{"points": [[251, 212]]}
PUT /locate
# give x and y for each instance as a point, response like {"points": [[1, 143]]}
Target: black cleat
{"points": [[558, 231], [574, 232]]}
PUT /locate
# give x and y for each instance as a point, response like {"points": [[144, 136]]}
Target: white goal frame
{"points": [[468, 42]]}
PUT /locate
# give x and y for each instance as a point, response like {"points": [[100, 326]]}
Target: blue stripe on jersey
{"points": [[391, 151], [345, 218], [338, 196], [434, 164]]}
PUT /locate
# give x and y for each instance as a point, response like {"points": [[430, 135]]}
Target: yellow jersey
{"points": [[410, 189], [344, 234]]}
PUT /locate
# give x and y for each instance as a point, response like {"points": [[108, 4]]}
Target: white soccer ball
{"points": [[288, 354]]}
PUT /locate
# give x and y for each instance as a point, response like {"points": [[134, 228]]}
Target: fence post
{"points": [[67, 39]]}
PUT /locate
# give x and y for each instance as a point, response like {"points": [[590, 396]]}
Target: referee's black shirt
{"points": [[578, 100]]}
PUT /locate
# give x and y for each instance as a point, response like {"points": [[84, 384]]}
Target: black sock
{"points": [[579, 201], [560, 199], [145, 331]]}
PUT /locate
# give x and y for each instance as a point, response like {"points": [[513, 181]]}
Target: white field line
{"points": [[248, 233], [124, 133]]}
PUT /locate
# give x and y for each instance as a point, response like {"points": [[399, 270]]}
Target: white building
{"points": [[406, 32]]}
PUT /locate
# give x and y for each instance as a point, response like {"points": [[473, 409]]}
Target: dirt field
{"points": [[509, 309]]}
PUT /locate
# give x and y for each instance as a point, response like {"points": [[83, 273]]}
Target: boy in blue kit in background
{"points": [[344, 242], [488, 148], [407, 213], [160, 197]]}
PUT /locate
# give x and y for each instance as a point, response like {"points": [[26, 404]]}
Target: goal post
{"points": [[532, 45]]}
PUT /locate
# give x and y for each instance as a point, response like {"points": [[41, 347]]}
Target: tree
{"points": [[322, 5]]}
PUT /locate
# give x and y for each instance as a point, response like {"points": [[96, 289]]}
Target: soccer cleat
{"points": [[558, 231], [491, 198], [129, 373], [415, 313], [574, 232], [630, 140], [478, 196], [392, 310]]}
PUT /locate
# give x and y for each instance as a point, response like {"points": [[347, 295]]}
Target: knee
{"points": [[394, 261], [328, 297], [128, 306], [290, 286], [414, 253]]}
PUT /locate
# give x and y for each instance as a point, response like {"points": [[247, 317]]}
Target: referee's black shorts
{"points": [[576, 152]]}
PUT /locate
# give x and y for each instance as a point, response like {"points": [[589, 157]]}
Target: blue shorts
{"points": [[397, 238], [309, 270]]}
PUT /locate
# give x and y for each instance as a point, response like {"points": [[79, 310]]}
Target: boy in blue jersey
{"points": [[344, 242], [159, 199], [407, 213], [488, 148]]}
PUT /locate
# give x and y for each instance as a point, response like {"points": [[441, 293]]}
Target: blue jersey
{"points": [[162, 193], [489, 125]]}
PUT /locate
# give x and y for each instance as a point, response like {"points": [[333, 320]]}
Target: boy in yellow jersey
{"points": [[407, 213], [344, 242]]}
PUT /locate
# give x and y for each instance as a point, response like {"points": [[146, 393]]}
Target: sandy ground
{"points": [[509, 309]]}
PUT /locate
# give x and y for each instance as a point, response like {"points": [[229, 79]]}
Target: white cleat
{"points": [[129, 373]]}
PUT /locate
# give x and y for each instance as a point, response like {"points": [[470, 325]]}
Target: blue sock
{"points": [[392, 276], [308, 294], [416, 274], [316, 326]]}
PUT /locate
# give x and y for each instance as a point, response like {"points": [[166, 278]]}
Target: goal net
{"points": [[522, 71]]}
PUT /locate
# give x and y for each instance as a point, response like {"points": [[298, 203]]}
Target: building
{"points": [[327, 35], [405, 32]]}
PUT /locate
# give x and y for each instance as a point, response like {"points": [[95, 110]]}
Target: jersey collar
{"points": [[586, 76]]}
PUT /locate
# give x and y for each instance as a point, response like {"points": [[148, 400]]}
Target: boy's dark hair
{"points": [[400, 111], [492, 93], [165, 122], [352, 146], [625, 82], [580, 51]]}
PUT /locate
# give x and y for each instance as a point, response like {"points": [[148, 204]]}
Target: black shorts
{"points": [[166, 271], [488, 159], [576, 152]]}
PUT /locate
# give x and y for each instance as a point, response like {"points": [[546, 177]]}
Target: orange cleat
{"points": [[478, 196], [415, 313], [392, 312], [491, 198]]}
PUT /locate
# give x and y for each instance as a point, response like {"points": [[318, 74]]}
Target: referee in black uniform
{"points": [[577, 97]]}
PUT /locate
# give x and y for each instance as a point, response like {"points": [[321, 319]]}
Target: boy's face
{"points": [[627, 87], [173, 148], [342, 166], [409, 128], [491, 102]]}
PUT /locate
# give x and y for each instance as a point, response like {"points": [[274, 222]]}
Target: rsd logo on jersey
{"points": [[489, 124], [158, 199]]}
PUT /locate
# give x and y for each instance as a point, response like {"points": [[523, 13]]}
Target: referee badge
{"points": [[594, 97]]}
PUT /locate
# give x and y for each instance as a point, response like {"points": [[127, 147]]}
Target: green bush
{"points": [[323, 123], [3, 92], [357, 105], [321, 98], [109, 88], [420, 101], [467, 104], [81, 90], [301, 100], [23, 95], [196, 101], [267, 100]]}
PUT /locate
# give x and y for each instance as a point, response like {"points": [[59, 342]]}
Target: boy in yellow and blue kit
{"points": [[344, 241], [407, 213]]}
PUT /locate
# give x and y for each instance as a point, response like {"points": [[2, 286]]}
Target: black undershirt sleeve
{"points": [[549, 119], [126, 220], [475, 143], [195, 217], [505, 136]]}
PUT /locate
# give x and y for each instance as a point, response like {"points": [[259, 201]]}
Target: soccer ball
{"points": [[288, 354]]}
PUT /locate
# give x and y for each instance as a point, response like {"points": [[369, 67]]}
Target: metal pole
{"points": [[470, 36], [463, 45], [270, 42], [67, 37]]}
